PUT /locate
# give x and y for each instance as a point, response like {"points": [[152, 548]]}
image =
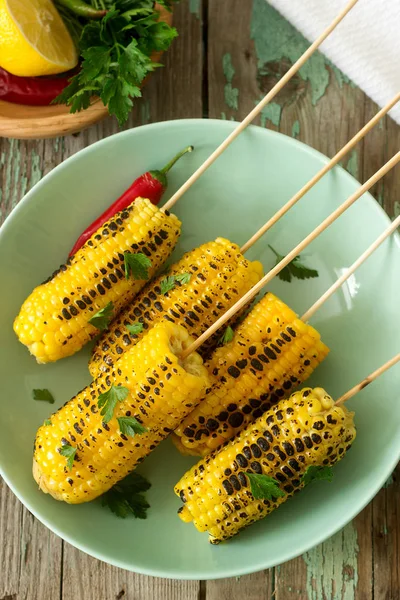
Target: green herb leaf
{"points": [[294, 269], [135, 328], [126, 498], [315, 473], [108, 401], [116, 53], [263, 487], [43, 395], [168, 283], [102, 318], [131, 426], [227, 336], [69, 453], [47, 422], [137, 265]]}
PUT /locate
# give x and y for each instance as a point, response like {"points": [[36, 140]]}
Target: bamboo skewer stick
{"points": [[360, 386], [256, 111], [339, 282], [289, 257], [334, 161]]}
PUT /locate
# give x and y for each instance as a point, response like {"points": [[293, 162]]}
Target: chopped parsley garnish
{"points": [[168, 283], [136, 265], [126, 497], [47, 422], [294, 269], [131, 426], [69, 453], [263, 487], [43, 395], [108, 401], [135, 328], [227, 336], [102, 318], [315, 473]]}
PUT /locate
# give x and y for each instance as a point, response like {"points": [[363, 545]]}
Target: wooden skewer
{"points": [[339, 282], [334, 161], [256, 111], [289, 257], [360, 386]]}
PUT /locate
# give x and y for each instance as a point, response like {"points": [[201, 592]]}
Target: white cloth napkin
{"points": [[365, 45]]}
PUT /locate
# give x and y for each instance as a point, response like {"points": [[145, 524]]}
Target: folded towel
{"points": [[365, 45]]}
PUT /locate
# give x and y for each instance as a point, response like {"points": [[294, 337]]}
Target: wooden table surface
{"points": [[229, 53]]}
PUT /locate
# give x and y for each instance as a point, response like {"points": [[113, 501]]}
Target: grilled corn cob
{"points": [[219, 275], [53, 321], [272, 351], [305, 430], [161, 391]]}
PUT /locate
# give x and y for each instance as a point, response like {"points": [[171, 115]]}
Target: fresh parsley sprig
{"points": [[168, 283], [109, 399], [227, 336], [116, 54], [135, 328], [69, 453], [263, 487], [294, 269], [126, 497], [137, 265], [131, 426], [103, 317], [315, 473]]}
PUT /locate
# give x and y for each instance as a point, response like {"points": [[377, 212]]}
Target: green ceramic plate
{"points": [[253, 178]]}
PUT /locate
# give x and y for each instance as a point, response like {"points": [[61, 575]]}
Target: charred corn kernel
{"points": [[54, 320], [271, 352], [162, 390], [305, 430], [219, 276]]}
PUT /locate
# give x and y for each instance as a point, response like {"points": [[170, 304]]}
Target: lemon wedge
{"points": [[34, 39]]}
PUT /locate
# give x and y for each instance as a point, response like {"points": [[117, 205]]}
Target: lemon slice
{"points": [[34, 39]]}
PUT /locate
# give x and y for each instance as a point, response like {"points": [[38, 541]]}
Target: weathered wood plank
{"points": [[252, 587], [90, 579], [31, 553]]}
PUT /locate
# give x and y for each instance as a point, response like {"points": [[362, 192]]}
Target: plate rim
{"points": [[262, 563]]}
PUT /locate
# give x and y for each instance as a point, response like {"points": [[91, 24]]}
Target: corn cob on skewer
{"points": [[272, 351], [53, 321], [162, 391], [219, 275], [305, 430]]}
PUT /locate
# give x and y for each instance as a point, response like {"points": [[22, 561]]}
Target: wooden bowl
{"points": [[38, 122]]}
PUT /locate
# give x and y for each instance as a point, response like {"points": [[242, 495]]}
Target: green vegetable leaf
{"points": [[69, 453], [135, 328], [103, 317], [116, 53], [43, 395], [131, 426], [294, 269], [108, 401], [47, 422], [315, 473], [126, 498], [263, 487], [168, 283], [227, 336], [137, 265]]}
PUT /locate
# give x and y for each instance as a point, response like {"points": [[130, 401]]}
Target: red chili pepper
{"points": [[151, 185], [34, 91]]}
